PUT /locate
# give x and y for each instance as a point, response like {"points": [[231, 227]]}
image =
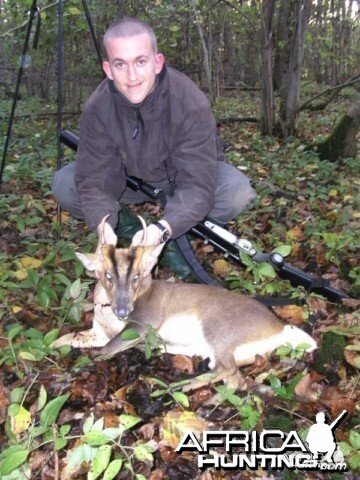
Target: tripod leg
{"points": [[33, 10]]}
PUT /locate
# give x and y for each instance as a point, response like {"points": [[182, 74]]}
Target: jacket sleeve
{"points": [[100, 175], [194, 156]]}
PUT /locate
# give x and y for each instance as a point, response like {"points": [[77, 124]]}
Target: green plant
{"points": [[351, 450], [30, 429], [288, 351], [249, 408], [285, 392], [171, 389]]}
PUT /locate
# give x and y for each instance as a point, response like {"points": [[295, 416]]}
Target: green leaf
{"points": [[129, 421], [80, 454], [142, 453], [27, 356], [100, 462], [284, 250], [50, 336], [345, 448], [43, 299], [14, 409], [75, 289], [60, 443], [89, 422], [266, 270], [50, 413], [17, 394], [354, 461], [13, 332], [355, 439], [181, 398], [42, 398], [129, 334], [64, 429], [95, 438], [13, 461], [113, 469]]}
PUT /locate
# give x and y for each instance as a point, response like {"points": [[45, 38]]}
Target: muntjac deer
{"points": [[229, 328]]}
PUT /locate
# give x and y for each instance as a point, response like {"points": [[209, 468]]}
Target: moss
{"points": [[330, 354]]}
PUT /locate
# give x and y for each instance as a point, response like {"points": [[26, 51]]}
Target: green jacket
{"points": [[170, 135]]}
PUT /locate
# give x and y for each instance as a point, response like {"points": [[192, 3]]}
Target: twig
{"points": [[337, 89], [27, 21]]}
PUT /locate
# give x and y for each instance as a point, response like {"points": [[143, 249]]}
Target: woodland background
{"points": [[283, 78]]}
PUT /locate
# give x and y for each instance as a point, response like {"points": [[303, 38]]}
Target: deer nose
{"points": [[122, 312]]}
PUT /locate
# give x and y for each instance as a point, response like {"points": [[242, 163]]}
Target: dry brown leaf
{"points": [[221, 268], [337, 401], [351, 302], [293, 314], [157, 474], [147, 431], [181, 363], [202, 395], [176, 423], [308, 389]]}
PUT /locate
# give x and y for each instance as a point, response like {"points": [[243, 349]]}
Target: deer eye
{"points": [[136, 277], [108, 276]]}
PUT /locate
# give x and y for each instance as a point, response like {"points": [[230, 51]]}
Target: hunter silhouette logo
{"points": [[321, 439], [275, 449]]}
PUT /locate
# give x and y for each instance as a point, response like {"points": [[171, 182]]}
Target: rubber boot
{"points": [[128, 225], [173, 259]]}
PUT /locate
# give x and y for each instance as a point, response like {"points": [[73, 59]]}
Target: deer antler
{"points": [[144, 236], [101, 233]]}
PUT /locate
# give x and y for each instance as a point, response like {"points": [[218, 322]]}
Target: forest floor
{"points": [[63, 414]]}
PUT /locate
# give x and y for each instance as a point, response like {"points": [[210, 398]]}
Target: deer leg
{"points": [[227, 372]]}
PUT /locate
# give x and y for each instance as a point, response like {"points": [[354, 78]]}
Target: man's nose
{"points": [[132, 73]]}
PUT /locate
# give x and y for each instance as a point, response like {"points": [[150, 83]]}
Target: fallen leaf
{"points": [[176, 423], [16, 309], [221, 268], [293, 314], [31, 262], [308, 389], [157, 475], [351, 302], [21, 421], [181, 363]]}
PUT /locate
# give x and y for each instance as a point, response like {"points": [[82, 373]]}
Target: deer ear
{"points": [[91, 261], [150, 258]]}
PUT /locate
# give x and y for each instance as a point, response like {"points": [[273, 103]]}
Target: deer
{"points": [[229, 328]]}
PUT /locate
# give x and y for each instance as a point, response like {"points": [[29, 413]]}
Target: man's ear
{"points": [[91, 261], [159, 62], [107, 69], [150, 257]]}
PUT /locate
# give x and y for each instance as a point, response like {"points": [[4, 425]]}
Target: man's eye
{"points": [[119, 65], [108, 276], [142, 62]]}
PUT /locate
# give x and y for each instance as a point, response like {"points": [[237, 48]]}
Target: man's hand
{"points": [[107, 236], [153, 235]]}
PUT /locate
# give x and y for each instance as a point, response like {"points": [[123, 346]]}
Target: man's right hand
{"points": [[107, 236]]}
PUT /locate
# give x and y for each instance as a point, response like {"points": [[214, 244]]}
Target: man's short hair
{"points": [[129, 27]]}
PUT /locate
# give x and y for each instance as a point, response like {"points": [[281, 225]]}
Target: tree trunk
{"points": [[299, 14], [342, 142], [267, 90]]}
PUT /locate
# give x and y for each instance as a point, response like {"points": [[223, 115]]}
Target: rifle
{"points": [[226, 242]]}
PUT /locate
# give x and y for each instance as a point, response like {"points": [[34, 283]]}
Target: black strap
{"points": [[188, 254]]}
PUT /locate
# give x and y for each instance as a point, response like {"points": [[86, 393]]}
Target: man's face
{"points": [[133, 65]]}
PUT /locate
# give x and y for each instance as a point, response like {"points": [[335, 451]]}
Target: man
{"points": [[150, 121]]}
